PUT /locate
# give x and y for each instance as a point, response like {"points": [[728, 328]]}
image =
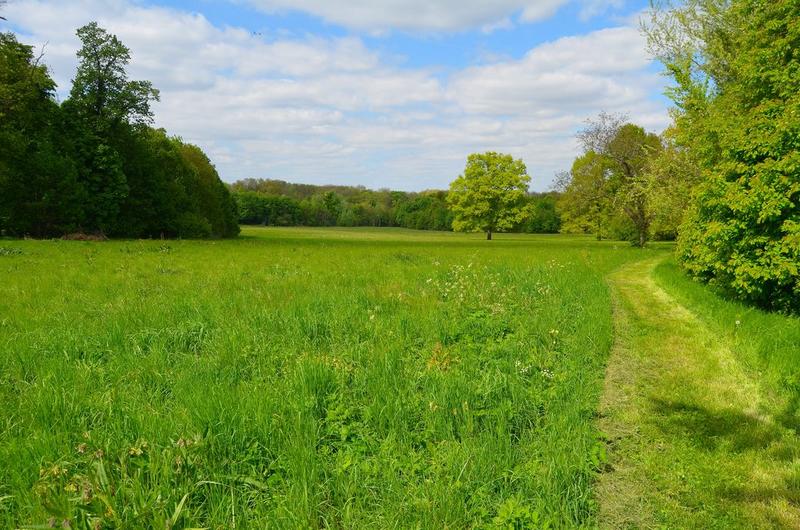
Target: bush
{"points": [[193, 226], [742, 233]]}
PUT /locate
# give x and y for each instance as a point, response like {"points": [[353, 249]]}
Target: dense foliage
{"points": [[278, 203], [736, 64], [585, 201], [615, 188], [490, 195], [93, 164]]}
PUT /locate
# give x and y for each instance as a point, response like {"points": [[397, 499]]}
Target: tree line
{"points": [[94, 164], [724, 178], [279, 203]]}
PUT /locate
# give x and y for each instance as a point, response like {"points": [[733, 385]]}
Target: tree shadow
{"points": [[727, 432], [712, 429]]}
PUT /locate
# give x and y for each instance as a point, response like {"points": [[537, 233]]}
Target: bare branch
{"points": [[599, 132], [561, 181], [41, 54]]}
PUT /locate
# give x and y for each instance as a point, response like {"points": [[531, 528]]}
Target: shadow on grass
{"points": [[728, 430], [788, 416], [753, 440]]}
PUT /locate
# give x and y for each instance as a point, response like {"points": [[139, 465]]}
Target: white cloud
{"points": [[591, 8], [602, 70], [318, 109], [535, 11], [431, 15], [415, 15]]}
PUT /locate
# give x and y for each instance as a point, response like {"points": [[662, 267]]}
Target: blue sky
{"points": [[419, 48], [374, 92]]}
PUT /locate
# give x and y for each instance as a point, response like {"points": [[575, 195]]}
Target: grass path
{"points": [[693, 440]]}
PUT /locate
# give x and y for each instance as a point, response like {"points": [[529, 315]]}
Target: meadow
{"points": [[304, 378]]}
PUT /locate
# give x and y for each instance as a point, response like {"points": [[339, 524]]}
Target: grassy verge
{"points": [[696, 437], [303, 378], [768, 343]]}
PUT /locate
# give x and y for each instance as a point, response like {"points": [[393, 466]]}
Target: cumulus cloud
{"points": [[321, 109], [573, 74], [431, 15]]}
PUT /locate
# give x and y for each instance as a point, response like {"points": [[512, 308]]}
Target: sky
{"points": [[381, 93]]}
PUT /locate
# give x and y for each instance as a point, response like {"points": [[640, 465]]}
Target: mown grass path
{"points": [[693, 440]]}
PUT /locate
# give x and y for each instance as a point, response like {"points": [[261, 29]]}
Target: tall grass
{"points": [[302, 378], [768, 343]]}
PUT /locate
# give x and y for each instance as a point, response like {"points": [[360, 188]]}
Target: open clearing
{"points": [[351, 378], [304, 378]]}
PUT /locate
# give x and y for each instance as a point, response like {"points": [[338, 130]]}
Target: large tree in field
{"points": [[104, 107], [490, 195], [736, 67]]}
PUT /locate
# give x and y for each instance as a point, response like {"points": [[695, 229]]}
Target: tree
{"points": [[586, 197], [737, 92], [542, 215], [101, 89], [269, 210], [39, 192], [628, 151], [490, 195], [424, 211], [214, 200], [672, 177], [103, 107]]}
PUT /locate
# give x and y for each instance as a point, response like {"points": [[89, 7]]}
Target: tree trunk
{"points": [[488, 235], [642, 238]]}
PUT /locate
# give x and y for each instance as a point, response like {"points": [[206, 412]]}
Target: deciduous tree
{"points": [[586, 196], [103, 106], [490, 195], [736, 67], [628, 150], [39, 192]]}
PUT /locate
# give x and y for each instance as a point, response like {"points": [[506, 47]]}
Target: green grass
{"points": [[698, 429], [303, 378], [767, 343]]}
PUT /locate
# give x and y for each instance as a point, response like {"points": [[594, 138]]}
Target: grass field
{"points": [[304, 378], [357, 378]]}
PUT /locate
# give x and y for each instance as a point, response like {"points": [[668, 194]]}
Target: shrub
{"points": [[193, 226]]}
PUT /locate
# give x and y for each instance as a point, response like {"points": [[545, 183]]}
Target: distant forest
{"points": [[279, 203]]}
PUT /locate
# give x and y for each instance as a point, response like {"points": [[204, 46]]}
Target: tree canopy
{"points": [[611, 186], [101, 90], [93, 164], [586, 196], [626, 151], [736, 68], [279, 203], [490, 195]]}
